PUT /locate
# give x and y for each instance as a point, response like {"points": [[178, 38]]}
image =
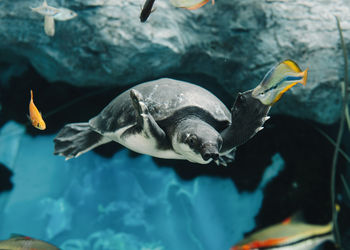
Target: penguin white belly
{"points": [[141, 144]]}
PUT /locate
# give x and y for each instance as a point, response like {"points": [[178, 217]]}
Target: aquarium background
{"points": [[112, 198]]}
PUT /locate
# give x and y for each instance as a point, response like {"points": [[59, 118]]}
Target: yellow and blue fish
{"points": [[291, 234], [278, 80]]}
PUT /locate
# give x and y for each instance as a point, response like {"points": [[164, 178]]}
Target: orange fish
{"points": [[190, 4], [197, 6], [34, 115]]}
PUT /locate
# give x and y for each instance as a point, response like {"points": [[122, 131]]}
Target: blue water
{"points": [[121, 202]]}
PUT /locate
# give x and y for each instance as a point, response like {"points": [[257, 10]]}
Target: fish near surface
{"points": [[291, 234], [59, 14], [146, 10], [35, 116], [279, 80], [19, 242], [65, 14], [190, 4], [51, 14]]}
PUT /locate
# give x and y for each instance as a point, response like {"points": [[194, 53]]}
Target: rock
{"points": [[233, 42]]}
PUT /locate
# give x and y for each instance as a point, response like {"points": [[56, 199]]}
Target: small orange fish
{"points": [[197, 6], [190, 4], [34, 115]]}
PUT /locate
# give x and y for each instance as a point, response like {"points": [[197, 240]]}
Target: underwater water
{"points": [[119, 203], [62, 62]]}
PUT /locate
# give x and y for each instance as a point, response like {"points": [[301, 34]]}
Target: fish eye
{"points": [[38, 125], [262, 94]]}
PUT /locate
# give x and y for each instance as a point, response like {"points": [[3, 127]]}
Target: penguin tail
{"points": [[75, 139]]}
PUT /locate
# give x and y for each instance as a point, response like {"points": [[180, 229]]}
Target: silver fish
{"points": [[59, 14], [51, 14], [45, 9], [64, 14]]}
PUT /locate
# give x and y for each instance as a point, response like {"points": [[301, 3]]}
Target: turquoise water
{"points": [[119, 203]]}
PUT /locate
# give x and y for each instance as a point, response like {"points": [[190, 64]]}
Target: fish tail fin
{"points": [[75, 139], [198, 5], [304, 73]]}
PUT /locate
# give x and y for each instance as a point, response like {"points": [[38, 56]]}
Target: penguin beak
{"points": [[209, 151]]}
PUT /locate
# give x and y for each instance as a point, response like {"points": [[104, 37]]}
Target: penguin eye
{"points": [[191, 140]]}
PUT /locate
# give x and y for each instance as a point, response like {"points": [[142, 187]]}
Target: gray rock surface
{"points": [[234, 42]]}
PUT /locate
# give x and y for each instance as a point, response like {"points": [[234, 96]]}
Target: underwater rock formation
{"points": [[107, 45]]}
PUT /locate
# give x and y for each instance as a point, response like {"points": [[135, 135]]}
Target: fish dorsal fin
{"points": [[294, 218], [292, 65], [19, 236], [45, 3], [297, 217], [287, 221]]}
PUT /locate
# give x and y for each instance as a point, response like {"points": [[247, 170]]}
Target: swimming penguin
{"points": [[169, 119]]}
